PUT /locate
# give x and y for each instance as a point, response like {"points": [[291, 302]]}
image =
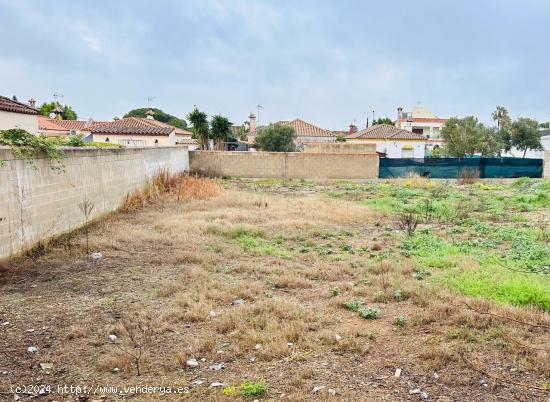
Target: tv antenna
{"points": [[259, 107], [150, 100], [57, 96]]}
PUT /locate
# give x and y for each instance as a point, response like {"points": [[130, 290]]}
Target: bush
{"points": [[276, 138], [29, 146], [249, 388]]}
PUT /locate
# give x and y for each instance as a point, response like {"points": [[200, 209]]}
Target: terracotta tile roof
{"points": [[305, 129], [9, 105], [425, 120], [386, 131], [45, 123], [134, 126], [179, 131]]}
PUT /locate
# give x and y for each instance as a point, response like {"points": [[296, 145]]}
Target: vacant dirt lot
{"points": [[264, 281]]}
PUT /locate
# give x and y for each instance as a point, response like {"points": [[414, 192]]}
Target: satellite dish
{"points": [[52, 115]]}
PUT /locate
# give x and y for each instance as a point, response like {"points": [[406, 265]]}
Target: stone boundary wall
{"points": [[341, 147], [286, 165], [36, 204]]}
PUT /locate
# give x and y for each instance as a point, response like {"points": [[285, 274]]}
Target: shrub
{"points": [[335, 291], [408, 221], [369, 313], [400, 321], [29, 146], [249, 388]]}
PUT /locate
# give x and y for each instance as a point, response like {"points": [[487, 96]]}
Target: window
{"points": [[107, 139], [156, 142]]}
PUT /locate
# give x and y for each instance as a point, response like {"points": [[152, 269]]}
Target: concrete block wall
{"points": [[36, 204], [291, 165], [546, 166]]}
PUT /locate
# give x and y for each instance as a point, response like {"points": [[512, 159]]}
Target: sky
{"points": [[328, 62]]}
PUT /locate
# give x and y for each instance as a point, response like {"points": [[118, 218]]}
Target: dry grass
{"points": [[181, 186], [468, 176], [171, 271]]}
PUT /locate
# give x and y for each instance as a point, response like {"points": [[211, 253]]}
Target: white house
{"points": [[15, 114], [140, 132], [392, 141], [422, 121]]}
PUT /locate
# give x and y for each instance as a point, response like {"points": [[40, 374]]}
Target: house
{"points": [[62, 128], [141, 132], [15, 114], [305, 132], [391, 141], [545, 139], [422, 121]]}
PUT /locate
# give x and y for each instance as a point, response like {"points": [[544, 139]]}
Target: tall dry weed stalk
{"points": [[468, 176], [86, 207]]}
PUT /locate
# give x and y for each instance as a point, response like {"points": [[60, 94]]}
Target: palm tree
{"points": [[199, 121], [220, 127], [500, 115]]}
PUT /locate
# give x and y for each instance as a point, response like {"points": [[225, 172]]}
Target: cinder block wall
{"points": [[36, 204], [291, 165], [546, 168]]}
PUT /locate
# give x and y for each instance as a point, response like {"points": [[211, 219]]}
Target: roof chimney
{"points": [[32, 103], [252, 124], [399, 112], [352, 129]]}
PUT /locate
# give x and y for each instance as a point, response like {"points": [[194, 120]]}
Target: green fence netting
{"points": [[450, 168]]}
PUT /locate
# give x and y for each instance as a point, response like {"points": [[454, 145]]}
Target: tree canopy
{"points": [[382, 120], [220, 131], [500, 115], [66, 111], [159, 115], [276, 138], [524, 135], [200, 128], [468, 136]]}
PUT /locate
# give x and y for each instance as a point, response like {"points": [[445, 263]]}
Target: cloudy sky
{"points": [[329, 62]]}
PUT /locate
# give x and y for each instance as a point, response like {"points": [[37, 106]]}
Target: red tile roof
{"points": [[305, 129], [9, 105], [386, 131], [179, 131], [45, 123], [134, 126]]}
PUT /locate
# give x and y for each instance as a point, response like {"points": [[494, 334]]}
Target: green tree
{"points": [[525, 135], [201, 131], [467, 136], [545, 125], [276, 138], [241, 132], [66, 111], [159, 115], [382, 120], [220, 131], [500, 115]]}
